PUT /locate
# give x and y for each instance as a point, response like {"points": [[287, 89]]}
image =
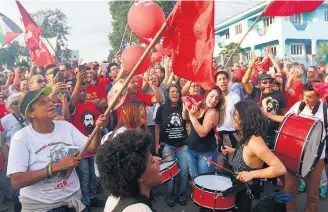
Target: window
{"points": [[296, 49], [325, 12], [296, 19], [238, 29], [227, 35], [268, 21], [249, 56]]}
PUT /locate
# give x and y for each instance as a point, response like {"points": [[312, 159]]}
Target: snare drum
{"points": [[169, 170], [299, 143], [207, 191]]}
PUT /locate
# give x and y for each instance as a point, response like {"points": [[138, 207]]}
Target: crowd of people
{"points": [[48, 113]]}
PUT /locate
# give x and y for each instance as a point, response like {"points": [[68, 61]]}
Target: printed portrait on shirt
{"points": [[271, 105], [88, 121]]}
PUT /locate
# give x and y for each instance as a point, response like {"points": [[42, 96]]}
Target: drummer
{"points": [[313, 108], [252, 153]]}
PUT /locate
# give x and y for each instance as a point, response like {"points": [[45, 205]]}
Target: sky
{"points": [[90, 20]]}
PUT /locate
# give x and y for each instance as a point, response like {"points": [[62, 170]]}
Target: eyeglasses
{"points": [[15, 102], [266, 82], [40, 81]]}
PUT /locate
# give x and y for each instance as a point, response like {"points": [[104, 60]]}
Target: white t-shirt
{"points": [[231, 99], [112, 202], [150, 110], [32, 151], [308, 112], [8, 122]]}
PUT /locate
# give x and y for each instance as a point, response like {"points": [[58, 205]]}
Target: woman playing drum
{"points": [[253, 152]]}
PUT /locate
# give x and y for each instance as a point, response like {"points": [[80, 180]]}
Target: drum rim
{"points": [[224, 209], [207, 189], [167, 168]]}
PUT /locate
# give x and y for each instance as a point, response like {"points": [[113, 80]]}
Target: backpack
{"points": [[125, 202]]}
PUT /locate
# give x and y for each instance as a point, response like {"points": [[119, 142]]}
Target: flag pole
{"points": [[56, 58], [118, 94], [255, 21]]}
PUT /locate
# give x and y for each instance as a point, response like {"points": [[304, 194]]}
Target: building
{"points": [[297, 37], [75, 55]]}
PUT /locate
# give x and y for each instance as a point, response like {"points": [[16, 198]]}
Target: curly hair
{"points": [[252, 120], [167, 93], [122, 161]]}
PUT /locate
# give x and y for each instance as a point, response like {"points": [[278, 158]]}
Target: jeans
{"points": [[312, 181], [183, 165], [198, 165], [88, 179]]}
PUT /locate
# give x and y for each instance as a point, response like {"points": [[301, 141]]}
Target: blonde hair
{"points": [[17, 96]]}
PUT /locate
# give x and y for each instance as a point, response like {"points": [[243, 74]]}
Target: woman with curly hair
{"points": [[128, 171], [252, 153], [201, 140]]}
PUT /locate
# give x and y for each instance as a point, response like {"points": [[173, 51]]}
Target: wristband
{"points": [[49, 170]]}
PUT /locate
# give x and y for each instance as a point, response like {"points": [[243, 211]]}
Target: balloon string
{"points": [[130, 38], [126, 27]]}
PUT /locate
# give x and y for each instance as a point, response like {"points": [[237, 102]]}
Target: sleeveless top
{"points": [[238, 163], [198, 144]]}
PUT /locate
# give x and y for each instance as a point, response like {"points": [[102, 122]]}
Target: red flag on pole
{"points": [[38, 50], [291, 7], [190, 36]]}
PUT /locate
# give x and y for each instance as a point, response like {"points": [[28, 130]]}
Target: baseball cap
{"points": [[31, 97], [238, 74], [265, 76]]}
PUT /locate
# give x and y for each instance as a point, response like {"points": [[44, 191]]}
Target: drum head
{"points": [[166, 165], [213, 182], [311, 150]]}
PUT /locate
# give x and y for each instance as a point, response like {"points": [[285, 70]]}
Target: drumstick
{"points": [[175, 151], [248, 190]]}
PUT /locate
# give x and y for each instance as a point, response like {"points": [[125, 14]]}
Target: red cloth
{"points": [[81, 111], [190, 36], [263, 66], [291, 7], [95, 92], [322, 89], [38, 50], [198, 98], [291, 100], [3, 110]]}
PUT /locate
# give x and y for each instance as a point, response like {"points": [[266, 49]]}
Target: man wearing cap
{"points": [[270, 100], [226, 130], [39, 157]]}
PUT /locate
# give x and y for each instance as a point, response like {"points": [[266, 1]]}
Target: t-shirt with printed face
{"points": [[32, 151], [173, 127], [272, 103]]}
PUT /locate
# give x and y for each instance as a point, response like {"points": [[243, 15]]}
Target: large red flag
{"points": [[291, 7], [38, 50], [190, 36]]}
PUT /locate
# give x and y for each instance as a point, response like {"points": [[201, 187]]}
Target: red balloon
{"points": [[131, 56], [145, 18], [159, 48], [156, 57]]}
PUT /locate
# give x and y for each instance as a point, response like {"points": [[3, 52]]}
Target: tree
{"points": [[119, 11], [322, 52], [13, 54], [228, 49], [53, 23]]}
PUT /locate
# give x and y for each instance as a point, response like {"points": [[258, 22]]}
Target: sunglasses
{"points": [[15, 102], [267, 82], [40, 81]]}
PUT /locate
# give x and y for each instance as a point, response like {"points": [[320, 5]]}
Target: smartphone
{"points": [[72, 150], [81, 67]]}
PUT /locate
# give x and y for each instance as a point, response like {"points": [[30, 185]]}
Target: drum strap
{"points": [[125, 202]]}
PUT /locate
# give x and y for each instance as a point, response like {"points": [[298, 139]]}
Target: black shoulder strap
{"points": [[325, 118], [125, 202]]}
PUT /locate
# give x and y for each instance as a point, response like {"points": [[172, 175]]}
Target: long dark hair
{"points": [[167, 94], [252, 120]]}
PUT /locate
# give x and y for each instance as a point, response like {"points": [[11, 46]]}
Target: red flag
{"points": [[263, 66], [190, 36], [38, 50], [321, 88], [291, 7]]}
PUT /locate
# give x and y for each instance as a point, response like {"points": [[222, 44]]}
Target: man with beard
{"points": [[95, 93], [84, 114]]}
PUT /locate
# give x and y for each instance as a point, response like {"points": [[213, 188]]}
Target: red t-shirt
{"points": [[3, 110], [103, 82], [95, 92], [84, 118], [298, 96], [141, 96]]}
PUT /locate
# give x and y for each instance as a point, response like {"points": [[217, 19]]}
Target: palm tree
{"points": [[228, 49], [322, 52]]}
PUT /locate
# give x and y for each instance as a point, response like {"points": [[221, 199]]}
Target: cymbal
{"points": [[113, 92]]}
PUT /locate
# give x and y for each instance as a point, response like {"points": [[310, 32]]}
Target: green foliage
{"points": [[119, 11], [53, 23], [322, 51], [13, 54], [228, 49]]}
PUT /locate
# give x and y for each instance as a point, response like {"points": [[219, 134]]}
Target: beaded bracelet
{"points": [[49, 170]]}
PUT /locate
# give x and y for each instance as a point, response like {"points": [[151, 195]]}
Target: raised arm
{"points": [[211, 119], [245, 80]]}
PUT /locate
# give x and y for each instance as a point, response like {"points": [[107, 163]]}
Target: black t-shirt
{"points": [[272, 103], [172, 126]]}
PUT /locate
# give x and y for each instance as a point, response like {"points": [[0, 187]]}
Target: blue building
{"points": [[297, 37]]}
